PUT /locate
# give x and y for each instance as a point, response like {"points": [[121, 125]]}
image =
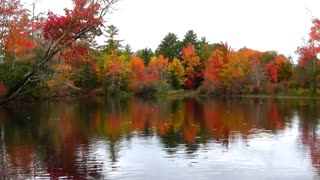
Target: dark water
{"points": [[109, 138]]}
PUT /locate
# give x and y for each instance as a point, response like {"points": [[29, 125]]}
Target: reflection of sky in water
{"points": [[264, 156]]}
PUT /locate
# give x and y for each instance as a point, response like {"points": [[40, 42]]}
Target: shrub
{"points": [[12, 72]]}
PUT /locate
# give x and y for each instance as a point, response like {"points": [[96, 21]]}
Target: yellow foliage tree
{"points": [[176, 72]]}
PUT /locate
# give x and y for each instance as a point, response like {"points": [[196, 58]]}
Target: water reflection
{"points": [[161, 139], [310, 132]]}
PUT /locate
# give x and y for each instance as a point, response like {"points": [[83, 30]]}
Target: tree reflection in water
{"points": [[310, 133], [58, 139]]}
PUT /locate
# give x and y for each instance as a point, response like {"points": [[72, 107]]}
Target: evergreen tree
{"points": [[191, 38], [170, 47], [145, 54], [112, 45]]}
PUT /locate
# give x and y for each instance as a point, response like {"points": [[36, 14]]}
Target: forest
{"points": [[49, 55]]}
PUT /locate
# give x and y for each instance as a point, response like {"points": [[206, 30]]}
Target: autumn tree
{"points": [[236, 71], [176, 73], [115, 68], [113, 62], [192, 67], [76, 55], [280, 69], [212, 77], [157, 68], [206, 49], [86, 75], [83, 21], [308, 62], [110, 63], [226, 71], [72, 68], [138, 72], [258, 73], [61, 80], [268, 56], [118, 74], [14, 30], [16, 44]]}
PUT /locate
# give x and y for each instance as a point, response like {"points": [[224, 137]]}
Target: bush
{"points": [[273, 88], [146, 91], [12, 72], [86, 77], [256, 89], [151, 88]]}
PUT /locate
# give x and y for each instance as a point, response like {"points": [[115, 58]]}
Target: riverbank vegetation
{"points": [[57, 55]]}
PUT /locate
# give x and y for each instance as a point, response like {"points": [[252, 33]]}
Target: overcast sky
{"points": [[264, 25]]}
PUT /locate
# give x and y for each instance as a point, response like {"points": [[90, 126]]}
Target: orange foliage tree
{"points": [[155, 72], [119, 72], [212, 69], [15, 30], [62, 80], [192, 67], [157, 68], [138, 72], [226, 71]]}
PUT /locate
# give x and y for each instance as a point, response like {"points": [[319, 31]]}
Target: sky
{"points": [[280, 25]]}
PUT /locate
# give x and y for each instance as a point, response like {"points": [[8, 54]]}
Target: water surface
{"points": [[166, 138]]}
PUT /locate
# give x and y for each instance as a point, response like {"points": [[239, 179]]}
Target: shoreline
{"points": [[172, 93]]}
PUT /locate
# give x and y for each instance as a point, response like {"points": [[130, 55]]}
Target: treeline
{"points": [[54, 56]]}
